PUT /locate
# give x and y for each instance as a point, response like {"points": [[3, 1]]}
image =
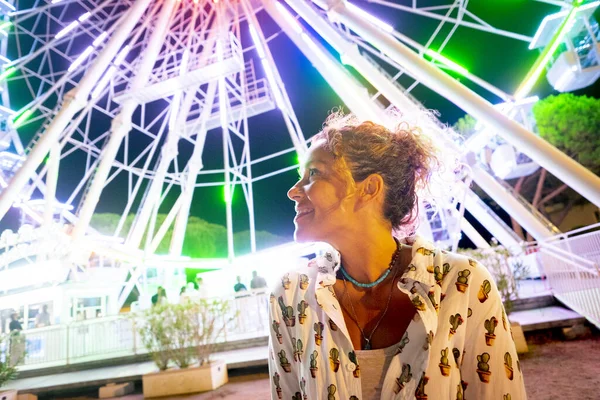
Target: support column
{"points": [[355, 97], [194, 166], [121, 125], [51, 183], [542, 152], [74, 102]]}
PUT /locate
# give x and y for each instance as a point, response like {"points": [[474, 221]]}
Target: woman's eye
{"points": [[313, 172]]}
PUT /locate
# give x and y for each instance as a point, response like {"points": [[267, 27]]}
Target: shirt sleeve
{"points": [[490, 367], [283, 371]]}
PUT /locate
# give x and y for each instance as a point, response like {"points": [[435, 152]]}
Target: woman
{"points": [[377, 318]]}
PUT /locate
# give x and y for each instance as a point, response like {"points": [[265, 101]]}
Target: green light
{"points": [[18, 121], [447, 62], [8, 72], [542, 61], [5, 25]]}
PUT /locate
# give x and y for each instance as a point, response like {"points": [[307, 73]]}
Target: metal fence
{"points": [[571, 263], [114, 337]]}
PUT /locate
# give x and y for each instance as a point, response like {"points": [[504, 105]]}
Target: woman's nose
{"points": [[295, 193]]}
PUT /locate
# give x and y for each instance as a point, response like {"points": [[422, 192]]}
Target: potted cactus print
{"points": [[302, 306], [459, 392], [303, 388], [276, 379], [331, 392], [353, 398], [469, 312], [420, 392], [455, 321], [403, 342], [483, 368], [444, 363], [287, 312], [318, 327], [506, 396], [462, 282], [431, 295], [503, 319], [439, 275], [484, 291], [283, 361], [425, 252], [472, 263], [456, 354], [419, 305], [405, 377], [428, 340], [313, 364], [275, 326], [297, 396], [354, 360], [303, 282], [332, 325], [285, 281], [334, 359], [508, 366], [298, 349], [490, 326]]}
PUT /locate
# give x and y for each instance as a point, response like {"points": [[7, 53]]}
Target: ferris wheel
{"points": [[148, 103]]}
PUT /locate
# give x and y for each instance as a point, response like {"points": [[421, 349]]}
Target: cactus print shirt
{"points": [[458, 345]]}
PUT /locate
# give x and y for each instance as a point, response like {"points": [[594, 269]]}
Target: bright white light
{"points": [[574, 68], [83, 17], [273, 84], [100, 39], [121, 56], [375, 21], [103, 81], [56, 1], [289, 18], [81, 58], [67, 29], [256, 40]]}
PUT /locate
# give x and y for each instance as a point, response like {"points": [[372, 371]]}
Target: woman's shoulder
{"points": [[455, 265]]}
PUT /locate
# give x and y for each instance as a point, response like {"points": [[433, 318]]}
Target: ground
{"points": [[553, 368]]}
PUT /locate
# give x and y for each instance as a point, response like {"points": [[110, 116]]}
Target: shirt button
{"points": [[351, 367]]}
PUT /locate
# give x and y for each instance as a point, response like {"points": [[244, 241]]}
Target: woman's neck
{"points": [[367, 253]]}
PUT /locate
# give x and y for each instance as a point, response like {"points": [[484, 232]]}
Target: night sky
{"points": [[501, 61]]}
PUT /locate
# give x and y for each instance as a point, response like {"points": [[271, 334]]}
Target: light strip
{"points": [[99, 39], [110, 72], [372, 19], [446, 61], [121, 56], [532, 78], [67, 29], [289, 18], [21, 118], [273, 83], [256, 40], [81, 58], [8, 72]]}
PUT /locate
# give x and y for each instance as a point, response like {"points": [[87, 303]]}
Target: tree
{"points": [[570, 123]]}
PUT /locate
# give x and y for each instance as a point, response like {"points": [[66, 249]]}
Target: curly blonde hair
{"points": [[404, 157]]}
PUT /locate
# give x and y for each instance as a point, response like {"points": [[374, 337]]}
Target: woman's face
{"points": [[323, 205]]}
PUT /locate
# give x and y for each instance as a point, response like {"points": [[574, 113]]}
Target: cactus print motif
{"points": [[310, 356]]}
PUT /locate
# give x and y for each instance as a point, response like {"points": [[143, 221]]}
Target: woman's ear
{"points": [[372, 189]]}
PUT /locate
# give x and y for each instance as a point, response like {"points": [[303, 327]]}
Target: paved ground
{"points": [[554, 369]]}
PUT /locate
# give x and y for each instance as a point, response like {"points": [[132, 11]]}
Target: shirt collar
{"points": [[419, 270]]}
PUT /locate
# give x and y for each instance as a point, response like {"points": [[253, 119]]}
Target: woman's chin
{"points": [[302, 236]]}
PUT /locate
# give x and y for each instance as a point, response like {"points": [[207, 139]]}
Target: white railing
{"points": [[114, 337], [571, 263]]}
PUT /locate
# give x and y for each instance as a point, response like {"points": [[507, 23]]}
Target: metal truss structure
{"points": [[149, 102]]}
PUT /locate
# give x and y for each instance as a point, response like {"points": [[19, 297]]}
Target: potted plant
{"points": [[11, 354], [180, 339]]}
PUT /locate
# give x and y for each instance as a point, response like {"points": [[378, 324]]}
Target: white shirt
{"points": [[458, 345]]}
